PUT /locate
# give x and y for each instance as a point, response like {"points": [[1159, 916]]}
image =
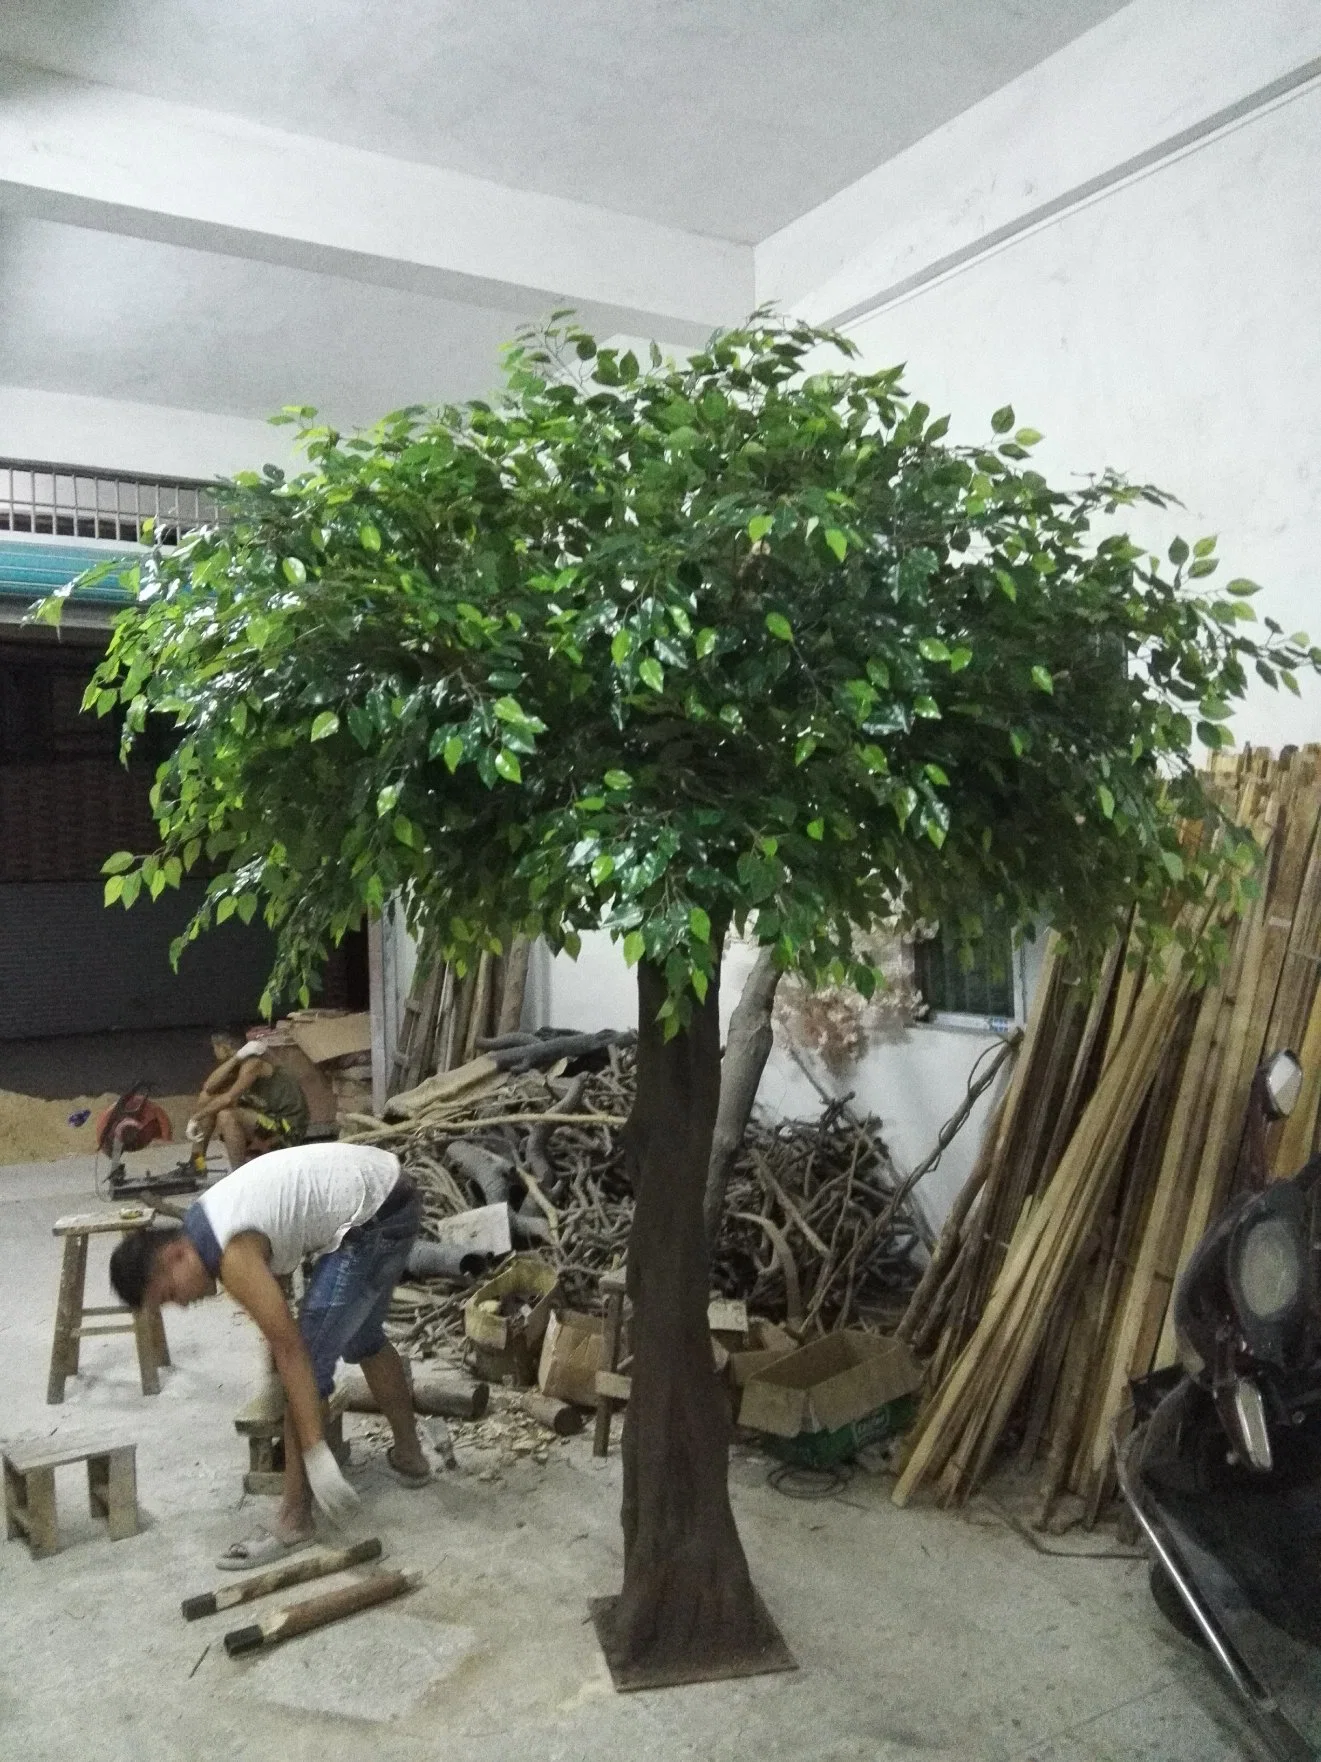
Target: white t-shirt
{"points": [[304, 1200]]}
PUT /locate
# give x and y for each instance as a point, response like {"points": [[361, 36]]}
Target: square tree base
{"points": [[626, 1677]]}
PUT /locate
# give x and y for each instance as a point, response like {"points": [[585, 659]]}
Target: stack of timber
{"points": [[446, 1014], [1120, 1136]]}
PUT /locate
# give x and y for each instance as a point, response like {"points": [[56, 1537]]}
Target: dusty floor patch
{"points": [[36, 1130], [377, 1666]]}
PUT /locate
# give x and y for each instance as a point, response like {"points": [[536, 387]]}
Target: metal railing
{"points": [[76, 501]]}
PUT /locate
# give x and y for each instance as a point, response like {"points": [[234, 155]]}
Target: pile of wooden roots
{"points": [[1118, 1139], [818, 1230]]}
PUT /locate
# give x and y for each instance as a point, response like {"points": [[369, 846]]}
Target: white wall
{"points": [[117, 435], [1168, 330], [912, 1082]]}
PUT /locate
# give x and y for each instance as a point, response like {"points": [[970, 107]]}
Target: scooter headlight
{"points": [[1270, 1269]]}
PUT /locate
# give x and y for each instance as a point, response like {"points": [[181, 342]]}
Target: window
{"points": [[73, 501], [984, 989]]}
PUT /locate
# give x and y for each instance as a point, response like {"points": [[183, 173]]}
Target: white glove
{"points": [[193, 1131], [329, 1488]]}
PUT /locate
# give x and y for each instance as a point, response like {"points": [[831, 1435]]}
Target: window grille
{"points": [[985, 988], [74, 501]]}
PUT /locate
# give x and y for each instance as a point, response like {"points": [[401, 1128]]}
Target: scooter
{"points": [[1222, 1469]]}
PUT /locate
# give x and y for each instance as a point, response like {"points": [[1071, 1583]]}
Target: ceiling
{"points": [[728, 117], [724, 118]]}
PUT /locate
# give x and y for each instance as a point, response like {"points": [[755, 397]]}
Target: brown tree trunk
{"points": [[687, 1605], [751, 1038]]}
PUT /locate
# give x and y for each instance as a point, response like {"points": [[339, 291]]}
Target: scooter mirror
{"points": [[1283, 1084]]}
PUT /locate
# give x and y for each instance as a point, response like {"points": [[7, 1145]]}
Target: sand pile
{"points": [[33, 1130]]}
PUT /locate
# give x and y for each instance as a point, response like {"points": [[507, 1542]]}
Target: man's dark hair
{"points": [[132, 1263], [233, 1031]]}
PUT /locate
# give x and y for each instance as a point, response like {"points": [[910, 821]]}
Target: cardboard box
{"points": [[334, 1036], [834, 1381], [766, 1345], [526, 1277], [571, 1357]]}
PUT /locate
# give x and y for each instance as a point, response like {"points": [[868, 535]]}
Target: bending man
{"points": [[351, 1207]]}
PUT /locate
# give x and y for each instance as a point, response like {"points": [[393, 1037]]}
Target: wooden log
{"points": [[302, 1618], [446, 1393], [280, 1578], [560, 1417]]}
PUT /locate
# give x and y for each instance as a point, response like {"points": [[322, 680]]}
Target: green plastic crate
{"points": [[826, 1449]]}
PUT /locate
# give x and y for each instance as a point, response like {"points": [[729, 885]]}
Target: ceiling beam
{"points": [[1149, 83], [97, 157]]}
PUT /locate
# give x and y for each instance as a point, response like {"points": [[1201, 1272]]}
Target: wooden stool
{"points": [[70, 1311], [112, 1488], [265, 1471], [611, 1387]]}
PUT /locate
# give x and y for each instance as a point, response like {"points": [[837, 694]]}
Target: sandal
{"points": [[406, 1477], [259, 1550]]}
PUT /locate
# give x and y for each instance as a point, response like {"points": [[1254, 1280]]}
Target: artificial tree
{"points": [[663, 649]]}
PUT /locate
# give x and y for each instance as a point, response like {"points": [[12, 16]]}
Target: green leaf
{"points": [[759, 526], [602, 869], [387, 800], [651, 673], [324, 725], [295, 570], [618, 780], [116, 865], [816, 829], [452, 754], [1107, 801], [369, 536], [1241, 587], [1204, 547], [779, 625], [706, 641], [113, 888], [700, 924], [1173, 864], [804, 748], [937, 775], [932, 649], [506, 763], [700, 984], [404, 830], [634, 948], [926, 706], [1028, 437], [1178, 552], [1042, 679], [1003, 419], [622, 646], [837, 541], [247, 907], [226, 909]]}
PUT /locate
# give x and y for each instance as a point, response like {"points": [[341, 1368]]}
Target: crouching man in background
{"points": [[352, 1208]]}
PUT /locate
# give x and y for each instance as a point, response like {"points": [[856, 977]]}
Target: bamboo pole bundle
{"points": [[1118, 1140]]}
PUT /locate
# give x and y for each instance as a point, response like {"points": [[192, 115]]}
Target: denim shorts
{"points": [[345, 1304]]}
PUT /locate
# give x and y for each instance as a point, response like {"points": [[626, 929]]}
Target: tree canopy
{"points": [[664, 646]]}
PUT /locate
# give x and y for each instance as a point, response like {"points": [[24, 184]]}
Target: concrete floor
{"points": [[922, 1637]]}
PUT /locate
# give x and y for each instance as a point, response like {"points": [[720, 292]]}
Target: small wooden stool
{"points": [[265, 1471], [70, 1311], [112, 1488], [611, 1387]]}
